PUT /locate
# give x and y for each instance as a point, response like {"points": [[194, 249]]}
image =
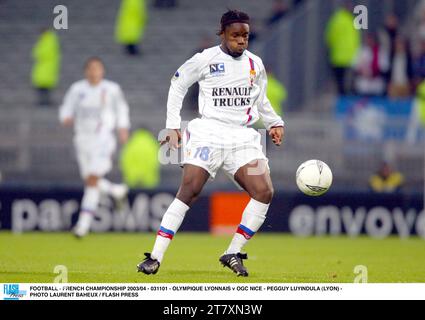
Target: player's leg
{"points": [[89, 205], [193, 180], [116, 190], [254, 177], [95, 161]]}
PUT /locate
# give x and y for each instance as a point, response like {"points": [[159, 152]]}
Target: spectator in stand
{"points": [[418, 27], [387, 37], [46, 54], [401, 70], [387, 34], [370, 66], [343, 42], [419, 65], [386, 180], [279, 10], [130, 25]]}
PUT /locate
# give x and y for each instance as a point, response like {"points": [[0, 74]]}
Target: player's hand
{"points": [[173, 139], [67, 122], [277, 133], [123, 135]]}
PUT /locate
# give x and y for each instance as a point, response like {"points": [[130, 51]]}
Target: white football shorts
{"points": [[212, 145], [94, 154]]}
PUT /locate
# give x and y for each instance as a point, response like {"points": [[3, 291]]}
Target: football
{"points": [[314, 177]]}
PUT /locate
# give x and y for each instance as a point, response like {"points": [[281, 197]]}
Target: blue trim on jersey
{"points": [[161, 228], [248, 231]]}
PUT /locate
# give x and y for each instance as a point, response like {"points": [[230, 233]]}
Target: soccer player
{"points": [[95, 107], [232, 97]]}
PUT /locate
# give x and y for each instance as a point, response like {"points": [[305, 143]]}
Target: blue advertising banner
{"points": [[374, 119], [350, 214]]}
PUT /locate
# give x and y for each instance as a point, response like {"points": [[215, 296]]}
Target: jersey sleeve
{"points": [[186, 75], [265, 109], [122, 110], [67, 109]]}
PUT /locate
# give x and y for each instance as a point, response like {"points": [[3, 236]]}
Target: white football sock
{"points": [[252, 219], [116, 190], [170, 223], [88, 209]]}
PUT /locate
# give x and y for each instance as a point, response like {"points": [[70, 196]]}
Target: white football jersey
{"points": [[231, 90], [96, 110]]}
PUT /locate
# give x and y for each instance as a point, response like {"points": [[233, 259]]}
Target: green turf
{"points": [[193, 257]]}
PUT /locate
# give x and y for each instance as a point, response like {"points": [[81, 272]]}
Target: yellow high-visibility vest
{"points": [[139, 161], [131, 21], [47, 57], [342, 39], [420, 95]]}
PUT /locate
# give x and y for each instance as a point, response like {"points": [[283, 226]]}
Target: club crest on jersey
{"points": [[217, 68], [252, 75]]}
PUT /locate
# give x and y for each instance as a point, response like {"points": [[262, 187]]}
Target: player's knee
{"points": [[263, 194], [189, 191]]}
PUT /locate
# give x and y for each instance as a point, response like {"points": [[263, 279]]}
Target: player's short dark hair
{"points": [[93, 59], [232, 16]]}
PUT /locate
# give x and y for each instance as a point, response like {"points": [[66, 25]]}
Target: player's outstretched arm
{"points": [[271, 120], [67, 109], [185, 76], [123, 134], [122, 113]]}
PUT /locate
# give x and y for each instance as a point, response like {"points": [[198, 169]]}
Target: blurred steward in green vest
{"points": [[139, 160], [45, 71], [130, 24], [417, 115], [276, 92], [343, 42]]}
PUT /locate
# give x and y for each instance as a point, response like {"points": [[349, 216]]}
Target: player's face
{"points": [[235, 38], [94, 72]]}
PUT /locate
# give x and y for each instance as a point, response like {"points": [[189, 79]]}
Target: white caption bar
{"points": [[210, 291]]}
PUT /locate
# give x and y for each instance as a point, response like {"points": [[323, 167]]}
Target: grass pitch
{"points": [[193, 257]]}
